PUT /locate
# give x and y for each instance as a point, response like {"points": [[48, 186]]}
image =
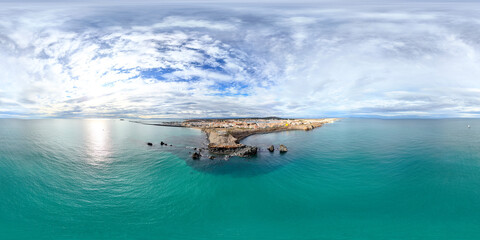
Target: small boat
{"points": [[468, 126]]}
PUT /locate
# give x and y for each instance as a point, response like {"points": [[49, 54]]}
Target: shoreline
{"points": [[224, 135]]}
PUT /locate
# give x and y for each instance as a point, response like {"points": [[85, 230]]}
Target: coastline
{"points": [[224, 135]]}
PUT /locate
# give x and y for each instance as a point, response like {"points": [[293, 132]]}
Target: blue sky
{"points": [[227, 59]]}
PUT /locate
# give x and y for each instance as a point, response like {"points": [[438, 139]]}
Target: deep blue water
{"points": [[354, 179]]}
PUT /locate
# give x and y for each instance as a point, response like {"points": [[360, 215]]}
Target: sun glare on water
{"points": [[99, 147]]}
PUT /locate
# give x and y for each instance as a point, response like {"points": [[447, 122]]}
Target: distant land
{"points": [[224, 134]]}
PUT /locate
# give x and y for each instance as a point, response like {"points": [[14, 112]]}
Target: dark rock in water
{"points": [[162, 143], [211, 157], [150, 144], [195, 149], [200, 150], [170, 145], [196, 156], [283, 149], [271, 148], [247, 151]]}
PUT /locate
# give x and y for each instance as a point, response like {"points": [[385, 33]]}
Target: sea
{"points": [[352, 179]]}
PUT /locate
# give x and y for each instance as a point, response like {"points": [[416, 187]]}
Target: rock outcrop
{"points": [[246, 151], [196, 156], [150, 144], [308, 127], [271, 148], [222, 142], [221, 139], [283, 149]]}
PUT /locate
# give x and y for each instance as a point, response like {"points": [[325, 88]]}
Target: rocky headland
{"points": [[223, 142], [224, 135]]}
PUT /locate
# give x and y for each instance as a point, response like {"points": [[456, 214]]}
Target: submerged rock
{"points": [[162, 143], [211, 157], [271, 148], [150, 144], [196, 156], [283, 149]]}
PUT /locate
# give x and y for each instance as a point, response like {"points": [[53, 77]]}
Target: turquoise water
{"points": [[354, 179]]}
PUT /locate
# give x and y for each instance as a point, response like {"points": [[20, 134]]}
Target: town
{"points": [[257, 123]]}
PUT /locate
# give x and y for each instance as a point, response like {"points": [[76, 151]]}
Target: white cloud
{"points": [[231, 61]]}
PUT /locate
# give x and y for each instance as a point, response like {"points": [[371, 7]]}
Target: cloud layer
{"points": [[230, 60]]}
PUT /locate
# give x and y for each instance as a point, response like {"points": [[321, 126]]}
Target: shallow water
{"points": [[354, 179]]}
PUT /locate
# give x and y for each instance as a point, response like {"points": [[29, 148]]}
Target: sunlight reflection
{"points": [[98, 141]]}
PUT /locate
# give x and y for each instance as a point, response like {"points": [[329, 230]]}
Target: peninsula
{"points": [[224, 135]]}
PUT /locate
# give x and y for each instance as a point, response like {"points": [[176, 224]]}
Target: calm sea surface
{"points": [[354, 179]]}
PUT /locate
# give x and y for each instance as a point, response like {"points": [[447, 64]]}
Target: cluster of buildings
{"points": [[250, 123]]}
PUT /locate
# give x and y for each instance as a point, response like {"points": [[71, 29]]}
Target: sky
{"points": [[194, 59]]}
